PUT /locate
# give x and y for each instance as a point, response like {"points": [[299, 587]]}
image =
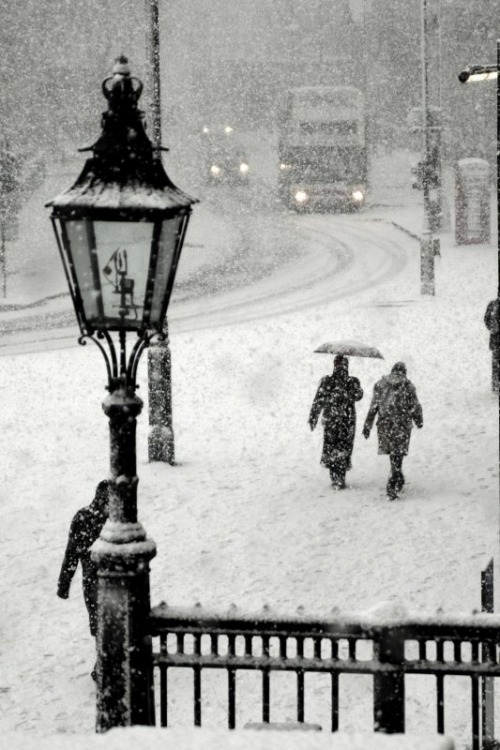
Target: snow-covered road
{"points": [[317, 260], [340, 258]]}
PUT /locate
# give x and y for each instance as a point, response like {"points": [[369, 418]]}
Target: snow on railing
{"points": [[385, 642]]}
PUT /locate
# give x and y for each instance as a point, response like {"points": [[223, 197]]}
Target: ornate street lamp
{"points": [[472, 74], [120, 230], [489, 72]]}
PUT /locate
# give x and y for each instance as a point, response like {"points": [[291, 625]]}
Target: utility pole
{"points": [[435, 106], [10, 203], [429, 245], [366, 89], [161, 445], [3, 259]]}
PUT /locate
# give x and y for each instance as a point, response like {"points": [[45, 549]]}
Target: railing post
{"points": [[488, 654], [389, 687]]}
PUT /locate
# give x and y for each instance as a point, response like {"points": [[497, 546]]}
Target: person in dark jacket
{"points": [[397, 406], [84, 530], [335, 397], [491, 323]]}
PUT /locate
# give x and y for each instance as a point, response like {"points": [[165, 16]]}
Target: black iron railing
{"points": [[387, 649]]}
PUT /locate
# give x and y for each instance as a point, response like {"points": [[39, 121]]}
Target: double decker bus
{"points": [[322, 149]]}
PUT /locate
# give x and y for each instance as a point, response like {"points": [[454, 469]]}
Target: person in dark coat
{"points": [[335, 397], [491, 323], [84, 530], [397, 406]]}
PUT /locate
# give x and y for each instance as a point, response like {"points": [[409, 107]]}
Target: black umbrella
{"points": [[349, 349]]}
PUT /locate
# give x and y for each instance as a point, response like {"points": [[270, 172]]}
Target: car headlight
{"points": [[206, 130], [215, 170], [358, 196], [244, 168], [284, 166], [228, 129], [301, 196]]}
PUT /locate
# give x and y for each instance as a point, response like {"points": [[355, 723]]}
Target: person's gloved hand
{"points": [[366, 432]]}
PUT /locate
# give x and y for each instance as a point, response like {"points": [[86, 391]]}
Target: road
{"points": [[249, 260], [339, 256]]}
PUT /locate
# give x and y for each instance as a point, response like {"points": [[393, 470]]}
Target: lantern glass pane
{"points": [[169, 239], [78, 237], [122, 257], [111, 261]]}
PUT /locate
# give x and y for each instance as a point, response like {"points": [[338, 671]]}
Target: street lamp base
{"points": [[125, 691]]}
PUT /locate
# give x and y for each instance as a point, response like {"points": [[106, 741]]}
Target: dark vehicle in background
{"points": [[226, 162], [210, 130], [322, 149]]}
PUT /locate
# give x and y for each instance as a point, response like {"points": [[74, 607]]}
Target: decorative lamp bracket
{"points": [[121, 373]]}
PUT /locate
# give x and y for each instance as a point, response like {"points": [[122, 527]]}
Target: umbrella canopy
{"points": [[349, 349]]}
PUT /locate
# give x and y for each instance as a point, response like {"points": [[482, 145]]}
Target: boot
{"points": [[337, 475], [399, 481]]}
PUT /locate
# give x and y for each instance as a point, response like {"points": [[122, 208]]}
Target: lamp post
{"points": [[120, 230], [472, 74], [489, 72]]}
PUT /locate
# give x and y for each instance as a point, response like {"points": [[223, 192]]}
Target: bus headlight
{"points": [[301, 196], [244, 168], [358, 196], [215, 170]]}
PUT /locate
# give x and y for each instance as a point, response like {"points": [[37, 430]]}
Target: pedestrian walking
{"points": [[491, 323], [335, 398], [396, 404], [84, 530]]}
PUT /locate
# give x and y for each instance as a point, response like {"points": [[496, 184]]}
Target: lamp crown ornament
{"points": [[123, 142], [123, 93]]}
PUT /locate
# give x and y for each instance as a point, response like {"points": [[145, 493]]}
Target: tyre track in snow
{"points": [[341, 257]]}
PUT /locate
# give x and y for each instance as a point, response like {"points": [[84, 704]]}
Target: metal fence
{"points": [[387, 649]]}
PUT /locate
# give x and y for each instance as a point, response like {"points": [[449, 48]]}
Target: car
{"points": [[210, 130], [226, 162]]}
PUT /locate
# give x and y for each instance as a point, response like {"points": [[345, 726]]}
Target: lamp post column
{"points": [[161, 445], [123, 553]]}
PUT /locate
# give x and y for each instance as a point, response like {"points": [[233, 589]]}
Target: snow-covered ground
{"points": [[248, 516], [198, 739]]}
